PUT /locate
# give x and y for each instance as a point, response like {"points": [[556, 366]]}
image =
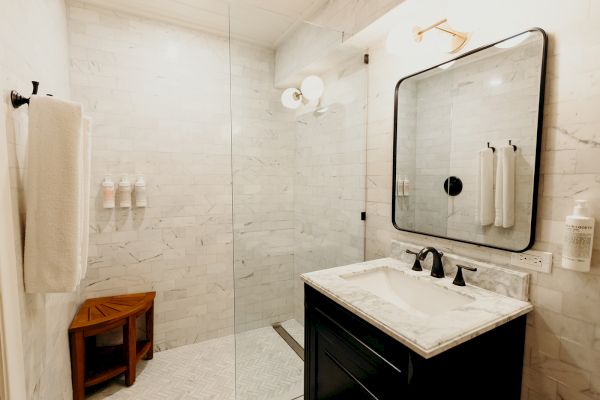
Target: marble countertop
{"points": [[426, 335]]}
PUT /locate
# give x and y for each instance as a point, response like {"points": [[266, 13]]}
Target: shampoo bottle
{"points": [[108, 193], [400, 187], [578, 238], [140, 192], [124, 193]]}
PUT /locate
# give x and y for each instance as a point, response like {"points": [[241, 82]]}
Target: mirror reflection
{"points": [[465, 140]]}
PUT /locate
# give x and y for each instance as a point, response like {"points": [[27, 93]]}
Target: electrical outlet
{"points": [[540, 261]]}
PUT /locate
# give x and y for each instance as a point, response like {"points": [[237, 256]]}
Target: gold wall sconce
{"points": [[457, 39]]}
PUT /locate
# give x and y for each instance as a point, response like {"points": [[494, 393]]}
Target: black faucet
{"points": [[437, 269]]}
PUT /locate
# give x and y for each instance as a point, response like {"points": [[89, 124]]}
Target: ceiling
{"points": [[263, 22]]}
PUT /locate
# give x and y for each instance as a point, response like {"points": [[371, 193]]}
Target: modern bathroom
{"points": [[299, 199]]}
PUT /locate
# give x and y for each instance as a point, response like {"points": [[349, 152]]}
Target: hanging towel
{"points": [[53, 190], [85, 199], [486, 186], [505, 187]]}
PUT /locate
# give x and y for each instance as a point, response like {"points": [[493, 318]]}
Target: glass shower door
{"points": [[298, 193]]}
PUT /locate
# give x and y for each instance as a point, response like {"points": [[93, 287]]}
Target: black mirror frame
{"points": [[537, 150]]}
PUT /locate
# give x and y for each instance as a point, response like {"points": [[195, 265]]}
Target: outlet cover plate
{"points": [[540, 261]]}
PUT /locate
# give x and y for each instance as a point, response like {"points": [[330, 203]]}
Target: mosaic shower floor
{"points": [[267, 368]]}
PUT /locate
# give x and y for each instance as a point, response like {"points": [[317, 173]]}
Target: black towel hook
{"points": [[17, 100], [491, 147], [513, 146]]}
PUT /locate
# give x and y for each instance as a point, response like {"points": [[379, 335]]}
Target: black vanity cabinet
{"points": [[348, 358]]}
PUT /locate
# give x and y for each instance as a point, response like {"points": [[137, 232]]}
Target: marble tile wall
{"points": [[433, 138], [329, 182], [407, 151], [563, 332], [512, 106], [35, 54], [159, 99]]}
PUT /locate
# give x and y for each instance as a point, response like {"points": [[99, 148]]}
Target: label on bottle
{"points": [[577, 242]]}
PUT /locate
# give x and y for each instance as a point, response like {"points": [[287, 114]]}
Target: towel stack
{"points": [[56, 196]]}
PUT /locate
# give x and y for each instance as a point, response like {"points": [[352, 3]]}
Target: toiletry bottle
{"points": [[399, 187], [578, 238], [140, 192], [108, 193], [124, 193], [406, 186]]}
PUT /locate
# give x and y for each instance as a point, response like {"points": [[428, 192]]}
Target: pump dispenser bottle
{"points": [[578, 239]]}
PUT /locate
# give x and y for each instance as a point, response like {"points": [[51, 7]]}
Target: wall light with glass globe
{"points": [[311, 89]]}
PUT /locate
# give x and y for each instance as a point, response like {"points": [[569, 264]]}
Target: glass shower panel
{"points": [[298, 189], [330, 178]]}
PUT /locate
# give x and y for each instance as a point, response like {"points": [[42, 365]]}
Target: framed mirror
{"points": [[467, 139]]}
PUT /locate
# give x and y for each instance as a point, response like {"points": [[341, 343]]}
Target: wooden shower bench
{"points": [[91, 365]]}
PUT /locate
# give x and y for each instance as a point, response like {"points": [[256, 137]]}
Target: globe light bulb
{"points": [[312, 87], [291, 98]]}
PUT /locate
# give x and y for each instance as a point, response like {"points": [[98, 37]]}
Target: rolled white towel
{"points": [[486, 186], [505, 187]]}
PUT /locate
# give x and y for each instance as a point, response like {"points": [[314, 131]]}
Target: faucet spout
{"points": [[437, 268]]}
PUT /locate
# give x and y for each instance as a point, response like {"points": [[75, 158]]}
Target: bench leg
{"points": [[129, 345], [150, 332], [77, 346]]}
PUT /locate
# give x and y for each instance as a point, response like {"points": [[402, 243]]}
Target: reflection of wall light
{"points": [[512, 42], [446, 65], [495, 82]]}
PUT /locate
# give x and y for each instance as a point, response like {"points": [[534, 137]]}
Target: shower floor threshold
{"points": [[289, 340]]}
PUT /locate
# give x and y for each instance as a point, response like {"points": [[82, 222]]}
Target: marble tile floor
{"points": [[267, 369]]}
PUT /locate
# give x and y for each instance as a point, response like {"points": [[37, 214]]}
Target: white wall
{"points": [[562, 359], [33, 46]]}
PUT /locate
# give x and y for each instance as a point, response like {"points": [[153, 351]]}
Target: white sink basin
{"points": [[408, 292]]}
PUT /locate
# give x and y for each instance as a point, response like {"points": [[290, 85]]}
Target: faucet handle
{"points": [[417, 264], [458, 279]]}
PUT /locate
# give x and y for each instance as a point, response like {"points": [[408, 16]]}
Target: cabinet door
{"points": [[347, 368]]}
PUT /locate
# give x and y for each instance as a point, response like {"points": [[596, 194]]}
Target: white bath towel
{"points": [[505, 187], [53, 190], [486, 186], [86, 171]]}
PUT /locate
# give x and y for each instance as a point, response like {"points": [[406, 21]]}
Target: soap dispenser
{"points": [[140, 192], [124, 193], [108, 192], [578, 239]]}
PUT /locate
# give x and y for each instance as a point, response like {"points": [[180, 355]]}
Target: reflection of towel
{"points": [[505, 187], [486, 186], [53, 190], [85, 199]]}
